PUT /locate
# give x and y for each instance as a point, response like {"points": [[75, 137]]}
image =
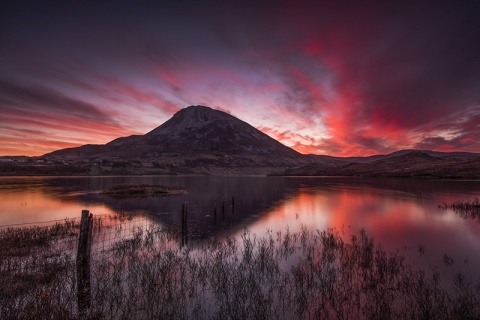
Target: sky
{"points": [[340, 78]]}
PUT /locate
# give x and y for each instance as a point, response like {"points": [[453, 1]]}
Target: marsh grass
{"points": [[279, 275], [37, 266], [468, 209], [33, 260]]}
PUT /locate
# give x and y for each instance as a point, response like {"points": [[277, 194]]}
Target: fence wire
{"points": [[31, 248]]}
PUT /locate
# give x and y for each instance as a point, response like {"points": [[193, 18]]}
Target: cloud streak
{"points": [[36, 120]]}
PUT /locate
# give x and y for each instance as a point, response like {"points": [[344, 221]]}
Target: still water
{"points": [[398, 213]]}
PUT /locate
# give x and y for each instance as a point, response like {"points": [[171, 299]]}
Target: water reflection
{"points": [[394, 217], [397, 212], [39, 199]]}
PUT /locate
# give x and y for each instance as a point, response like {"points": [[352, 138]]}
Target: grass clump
{"points": [[468, 209]]}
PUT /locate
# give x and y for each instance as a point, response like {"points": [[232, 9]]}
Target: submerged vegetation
{"points": [[141, 190], [468, 209], [282, 275]]}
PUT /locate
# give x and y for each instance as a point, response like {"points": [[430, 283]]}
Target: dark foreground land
{"points": [[305, 275]]}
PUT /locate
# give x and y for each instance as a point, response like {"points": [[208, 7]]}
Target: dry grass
{"points": [[305, 275]]}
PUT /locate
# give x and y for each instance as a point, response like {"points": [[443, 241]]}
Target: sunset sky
{"points": [[342, 78]]}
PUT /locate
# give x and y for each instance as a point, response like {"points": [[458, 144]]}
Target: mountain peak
{"points": [[201, 113], [207, 130], [190, 118], [197, 107], [196, 110]]}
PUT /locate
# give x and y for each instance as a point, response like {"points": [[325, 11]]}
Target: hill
{"points": [[405, 163]]}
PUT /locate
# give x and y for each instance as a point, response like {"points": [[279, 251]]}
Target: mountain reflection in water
{"points": [[398, 213]]}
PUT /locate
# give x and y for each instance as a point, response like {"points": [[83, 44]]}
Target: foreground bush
{"points": [[305, 275]]}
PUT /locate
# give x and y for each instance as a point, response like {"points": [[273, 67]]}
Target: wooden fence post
{"points": [[83, 262], [215, 211], [184, 223]]}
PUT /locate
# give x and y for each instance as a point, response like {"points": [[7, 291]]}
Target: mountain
{"points": [[404, 163], [196, 139], [201, 140], [201, 129]]}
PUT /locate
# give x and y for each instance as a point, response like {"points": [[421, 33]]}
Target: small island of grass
{"points": [[141, 190]]}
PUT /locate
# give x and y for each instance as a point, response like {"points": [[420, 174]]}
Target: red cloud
{"points": [[302, 143], [397, 78], [123, 91]]}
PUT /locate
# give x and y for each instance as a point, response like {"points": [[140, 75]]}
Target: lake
{"points": [[401, 214]]}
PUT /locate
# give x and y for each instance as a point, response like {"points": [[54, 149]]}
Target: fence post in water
{"points": [[223, 205], [233, 204], [83, 262], [214, 211], [184, 223]]}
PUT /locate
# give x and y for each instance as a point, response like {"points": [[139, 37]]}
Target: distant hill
{"points": [[369, 159], [405, 163]]}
